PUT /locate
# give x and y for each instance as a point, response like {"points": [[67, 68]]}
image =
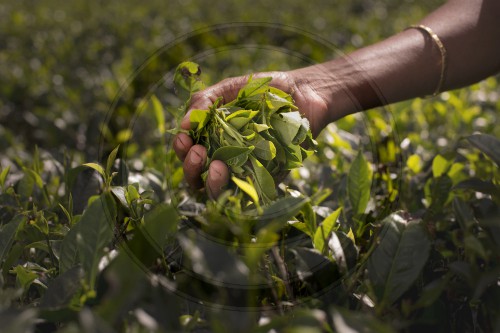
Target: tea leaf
{"points": [[343, 250], [324, 231], [264, 179], [439, 166], [198, 119], [488, 144], [8, 233], [97, 168], [157, 108], [359, 184], [287, 125], [253, 86], [233, 156], [264, 149], [402, 251], [95, 231], [111, 160], [248, 188], [3, 175], [187, 79]]}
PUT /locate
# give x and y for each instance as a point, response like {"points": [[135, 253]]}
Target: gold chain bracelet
{"points": [[442, 50]]}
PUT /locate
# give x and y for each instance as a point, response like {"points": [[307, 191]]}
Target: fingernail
{"points": [[214, 175], [194, 157], [180, 142]]}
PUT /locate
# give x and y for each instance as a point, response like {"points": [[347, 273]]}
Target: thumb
{"points": [[227, 89]]}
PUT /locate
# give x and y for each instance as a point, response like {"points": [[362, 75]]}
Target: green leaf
{"points": [[344, 250], [402, 250], [187, 79], [287, 125], [233, 156], [41, 224], [240, 118], [132, 194], [283, 209], [213, 260], [263, 179], [302, 227], [61, 290], [253, 86], [359, 184], [3, 175], [69, 249], [439, 166], [198, 119], [97, 168], [264, 149], [274, 101], [35, 176], [248, 188], [158, 112], [309, 216], [302, 133], [111, 160], [159, 224], [24, 277], [120, 193], [8, 233], [95, 233], [464, 214], [414, 163], [478, 185], [488, 144], [324, 231], [67, 213]]}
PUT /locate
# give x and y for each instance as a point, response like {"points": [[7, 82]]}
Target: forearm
{"points": [[408, 64]]}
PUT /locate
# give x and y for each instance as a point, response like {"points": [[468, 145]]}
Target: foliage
{"points": [[391, 226], [259, 134]]}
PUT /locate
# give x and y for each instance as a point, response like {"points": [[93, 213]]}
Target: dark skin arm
{"points": [[404, 66]]}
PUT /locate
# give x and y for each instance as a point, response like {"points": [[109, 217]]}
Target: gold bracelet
{"points": [[442, 50]]}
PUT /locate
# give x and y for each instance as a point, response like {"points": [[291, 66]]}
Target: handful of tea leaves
{"points": [[259, 135]]}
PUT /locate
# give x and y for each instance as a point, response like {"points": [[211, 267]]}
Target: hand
{"points": [[307, 99]]}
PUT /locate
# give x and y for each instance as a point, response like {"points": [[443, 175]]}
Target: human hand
{"points": [[309, 102]]}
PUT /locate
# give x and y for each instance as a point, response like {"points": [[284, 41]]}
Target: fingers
{"points": [[182, 144], [193, 166], [218, 178], [227, 89], [195, 159]]}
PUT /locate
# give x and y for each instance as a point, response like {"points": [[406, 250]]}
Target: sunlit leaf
{"points": [[97, 168], [198, 119], [439, 166], [253, 86], [414, 163], [111, 160], [324, 231], [158, 112], [359, 184], [248, 188]]}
